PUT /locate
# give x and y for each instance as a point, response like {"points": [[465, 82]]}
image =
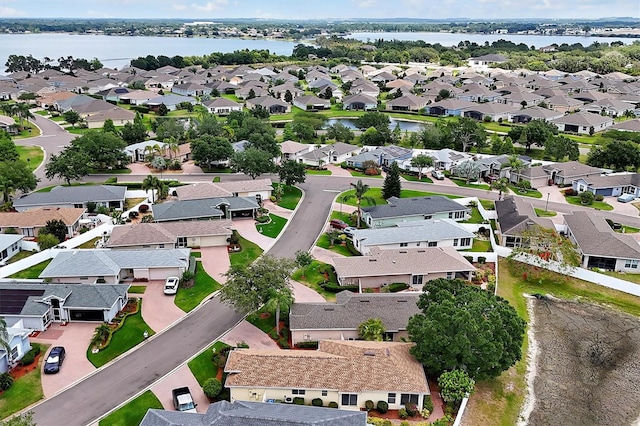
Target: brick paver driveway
{"points": [[158, 309], [180, 377], [215, 261]]}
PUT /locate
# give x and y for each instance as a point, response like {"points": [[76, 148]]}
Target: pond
{"points": [[405, 125]]}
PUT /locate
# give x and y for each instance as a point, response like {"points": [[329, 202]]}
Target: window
{"points": [[433, 244], [631, 264], [404, 244], [417, 279], [459, 215], [83, 278], [455, 242], [449, 275], [78, 206], [465, 242], [325, 393], [408, 398], [450, 215], [428, 216], [160, 245], [350, 399], [14, 353], [297, 391], [391, 398], [418, 244]]}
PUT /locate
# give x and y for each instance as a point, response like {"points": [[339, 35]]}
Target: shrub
{"points": [[382, 407], [404, 423], [491, 287], [412, 409], [332, 404], [110, 180], [569, 192], [377, 421], [133, 214], [6, 381], [402, 413], [307, 345], [28, 358], [263, 219], [599, 197], [243, 345], [273, 198], [298, 400], [368, 404], [482, 259], [36, 348], [317, 402], [524, 184], [469, 258], [143, 208], [396, 287], [212, 387], [587, 197]]}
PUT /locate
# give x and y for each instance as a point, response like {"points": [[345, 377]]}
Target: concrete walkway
{"points": [[75, 338], [215, 261], [189, 167], [158, 309], [554, 194], [337, 170], [182, 376], [324, 255], [304, 294], [251, 335], [277, 210], [247, 228]]}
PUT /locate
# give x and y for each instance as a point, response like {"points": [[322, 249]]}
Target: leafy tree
{"points": [[333, 235], [392, 187], [134, 132], [455, 386], [462, 327], [162, 110], [466, 133], [372, 329], [151, 183], [209, 125], [616, 154], [340, 133], [108, 126], [8, 150], [158, 163], [21, 109], [373, 137], [421, 161], [15, 175], [288, 97], [470, 170], [105, 150], [22, 419], [170, 128], [560, 147], [251, 94], [248, 287], [538, 132], [70, 164], [502, 186], [252, 162], [71, 117], [292, 172], [208, 149], [57, 228], [587, 198], [46, 241], [373, 119], [360, 191], [303, 131], [171, 146], [303, 260]]}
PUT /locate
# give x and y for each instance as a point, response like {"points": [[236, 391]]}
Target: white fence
{"points": [[99, 231]]}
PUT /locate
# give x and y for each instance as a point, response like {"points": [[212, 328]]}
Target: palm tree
{"points": [[281, 299], [151, 183], [151, 151], [22, 111], [469, 170], [360, 189], [229, 132], [502, 185], [171, 146], [515, 164]]}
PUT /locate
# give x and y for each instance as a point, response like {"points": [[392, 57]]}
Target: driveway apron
{"points": [[181, 377], [158, 309], [251, 335], [215, 261]]}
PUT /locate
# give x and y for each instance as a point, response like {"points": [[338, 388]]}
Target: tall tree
{"points": [[466, 133], [616, 154], [359, 193], [372, 329], [421, 161], [252, 162], [108, 126], [303, 260], [476, 331], [8, 149], [134, 132], [560, 147], [57, 228], [15, 175], [105, 150], [208, 149], [153, 184], [70, 164], [340, 133], [292, 172], [392, 187], [71, 117], [470, 170], [47, 241]]}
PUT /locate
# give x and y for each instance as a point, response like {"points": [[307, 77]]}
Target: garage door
{"points": [[163, 273], [78, 315]]}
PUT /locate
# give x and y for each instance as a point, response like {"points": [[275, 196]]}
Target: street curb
{"points": [[294, 211]]}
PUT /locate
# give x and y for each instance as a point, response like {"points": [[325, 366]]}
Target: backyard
{"points": [[31, 273], [188, 299]]}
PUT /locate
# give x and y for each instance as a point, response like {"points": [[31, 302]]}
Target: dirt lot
{"points": [[587, 367]]}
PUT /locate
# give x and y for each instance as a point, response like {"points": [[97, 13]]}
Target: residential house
{"points": [[412, 266], [566, 173], [399, 210], [427, 233], [280, 91], [260, 189], [165, 235], [499, 166], [610, 107], [359, 102], [536, 176], [611, 185], [450, 107], [17, 339], [492, 111], [190, 89], [584, 123], [563, 104], [520, 98], [628, 125], [206, 209], [252, 413], [271, 104], [35, 306], [535, 113], [383, 156], [515, 216], [8, 124], [408, 102], [311, 103], [479, 93], [334, 154], [138, 97], [600, 246], [119, 117], [113, 266], [445, 159], [222, 106], [73, 196], [291, 150], [170, 101], [29, 222], [10, 245], [364, 87], [334, 373], [139, 152], [339, 320]]}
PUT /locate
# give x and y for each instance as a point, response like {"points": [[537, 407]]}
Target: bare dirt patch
{"points": [[588, 365]]}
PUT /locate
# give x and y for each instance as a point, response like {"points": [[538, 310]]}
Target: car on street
{"points": [[626, 198], [54, 360], [348, 231], [171, 285], [338, 224], [437, 174]]}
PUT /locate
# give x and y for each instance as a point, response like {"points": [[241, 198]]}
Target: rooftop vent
{"points": [[370, 353], [373, 260], [328, 308]]}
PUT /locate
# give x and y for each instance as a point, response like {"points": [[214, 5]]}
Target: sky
{"points": [[326, 9]]}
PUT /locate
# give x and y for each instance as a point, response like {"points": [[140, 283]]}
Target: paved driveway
{"points": [[158, 309], [182, 376], [622, 208], [75, 338], [251, 335], [304, 294], [215, 261], [247, 228]]}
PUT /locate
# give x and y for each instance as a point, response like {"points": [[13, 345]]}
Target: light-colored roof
{"points": [[166, 232], [36, 218], [426, 230], [572, 169], [584, 119], [201, 190], [346, 366], [293, 147], [72, 195], [8, 239], [403, 207], [596, 238]]}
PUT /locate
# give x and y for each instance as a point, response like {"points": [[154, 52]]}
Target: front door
{"points": [[55, 307]]}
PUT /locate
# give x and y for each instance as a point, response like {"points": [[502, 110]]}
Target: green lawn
{"points": [[32, 155], [202, 366], [481, 246], [133, 412], [267, 323], [249, 253], [91, 244], [188, 298], [476, 217], [30, 130], [324, 242], [43, 113], [414, 178], [33, 272], [24, 392], [488, 204], [137, 289], [20, 255], [57, 118], [125, 338], [273, 228], [290, 197], [598, 205], [629, 229], [376, 194], [634, 278], [76, 130], [323, 172], [545, 213], [313, 279], [346, 217], [463, 183], [360, 174], [534, 193]]}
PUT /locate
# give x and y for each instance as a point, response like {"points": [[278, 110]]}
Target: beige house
{"points": [[339, 320], [259, 188], [346, 372], [167, 235], [29, 222], [412, 266]]}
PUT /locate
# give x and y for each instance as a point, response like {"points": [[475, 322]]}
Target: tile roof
{"points": [[166, 232], [38, 217], [346, 366], [400, 207], [426, 230], [596, 238], [72, 195]]}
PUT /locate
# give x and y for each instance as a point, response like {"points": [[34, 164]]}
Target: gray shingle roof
{"points": [[204, 208], [596, 238], [72, 195], [399, 207], [427, 230], [76, 263], [245, 413], [514, 214]]}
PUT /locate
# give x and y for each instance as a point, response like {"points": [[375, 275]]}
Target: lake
{"points": [[117, 51], [452, 39], [405, 126]]}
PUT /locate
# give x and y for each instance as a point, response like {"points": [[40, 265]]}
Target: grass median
{"points": [[133, 412]]}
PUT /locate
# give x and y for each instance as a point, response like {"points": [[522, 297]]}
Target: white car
{"points": [[437, 174], [626, 198], [348, 231], [171, 285]]}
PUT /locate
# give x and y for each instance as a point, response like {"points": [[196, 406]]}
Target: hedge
{"points": [[307, 345], [332, 404], [396, 287], [298, 400], [336, 288], [382, 407], [317, 402]]}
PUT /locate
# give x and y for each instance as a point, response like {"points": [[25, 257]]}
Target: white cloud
{"points": [[211, 5], [9, 11], [365, 4], [179, 7]]}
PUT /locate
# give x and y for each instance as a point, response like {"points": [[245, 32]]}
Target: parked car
{"points": [[626, 198], [54, 360], [437, 174], [338, 224], [171, 285], [348, 231], [183, 401]]}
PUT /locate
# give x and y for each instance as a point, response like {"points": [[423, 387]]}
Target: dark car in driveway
{"points": [[54, 360], [338, 224]]}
